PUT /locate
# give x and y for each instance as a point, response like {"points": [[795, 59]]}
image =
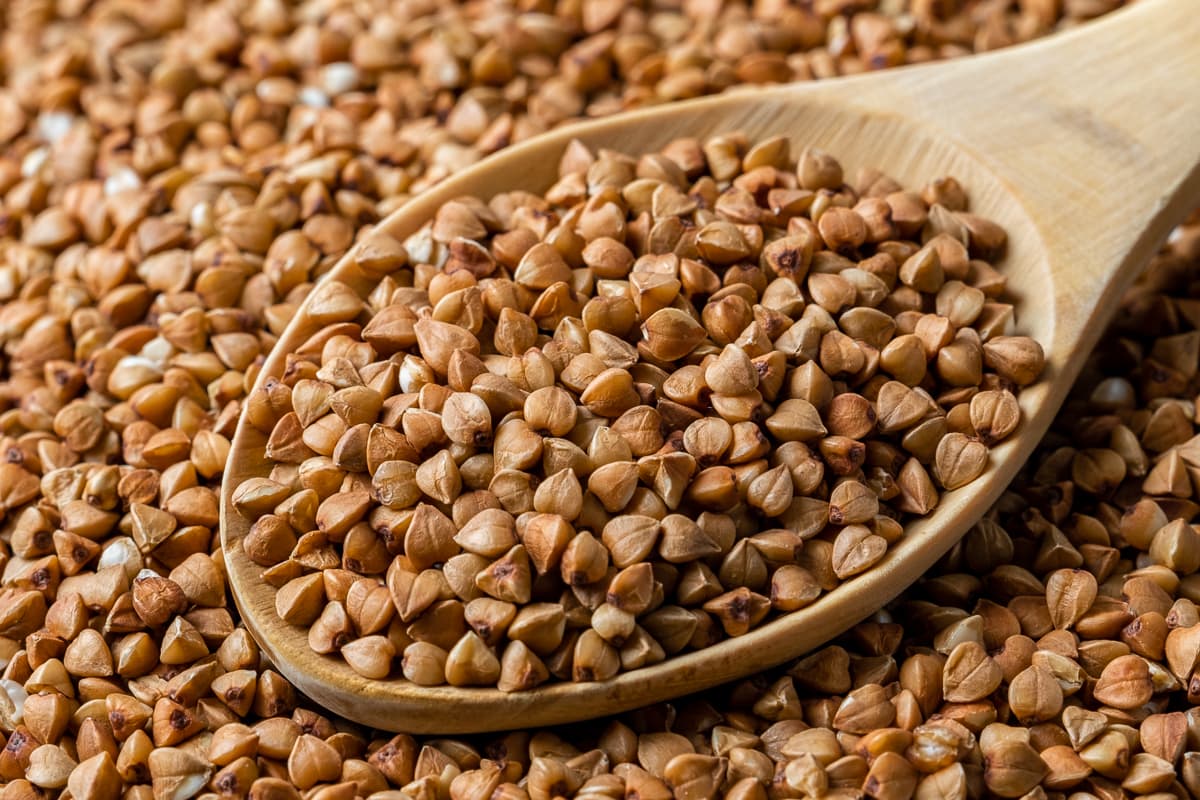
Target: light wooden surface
{"points": [[1085, 146]]}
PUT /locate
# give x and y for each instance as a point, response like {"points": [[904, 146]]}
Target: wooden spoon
{"points": [[1085, 146]]}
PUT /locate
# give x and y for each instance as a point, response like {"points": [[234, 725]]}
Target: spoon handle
{"points": [[1095, 132], [1102, 124]]}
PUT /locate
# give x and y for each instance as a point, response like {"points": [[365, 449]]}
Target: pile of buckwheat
{"points": [[173, 179], [583, 432]]}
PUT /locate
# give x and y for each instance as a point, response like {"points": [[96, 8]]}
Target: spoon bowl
{"points": [[1085, 155]]}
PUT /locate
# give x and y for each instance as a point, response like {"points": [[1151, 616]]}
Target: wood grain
{"points": [[1085, 146]]}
